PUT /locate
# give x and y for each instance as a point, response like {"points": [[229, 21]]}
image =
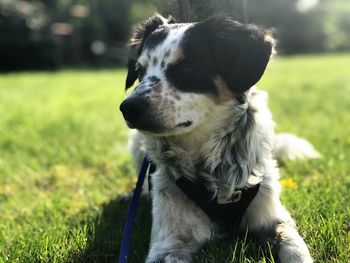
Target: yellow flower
{"points": [[289, 183]]}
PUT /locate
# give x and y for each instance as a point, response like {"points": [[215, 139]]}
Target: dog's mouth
{"points": [[184, 124], [179, 129], [156, 129]]}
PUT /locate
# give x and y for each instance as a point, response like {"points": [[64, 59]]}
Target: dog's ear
{"points": [[137, 42], [241, 52]]}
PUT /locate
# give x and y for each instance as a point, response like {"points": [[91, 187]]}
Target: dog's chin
{"points": [[179, 129]]}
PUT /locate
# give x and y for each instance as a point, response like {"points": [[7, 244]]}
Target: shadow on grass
{"points": [[105, 233]]}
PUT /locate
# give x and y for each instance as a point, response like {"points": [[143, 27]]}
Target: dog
{"points": [[210, 134]]}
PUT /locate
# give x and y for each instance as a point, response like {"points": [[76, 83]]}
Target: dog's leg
{"points": [[270, 221], [178, 227], [290, 246], [290, 147]]}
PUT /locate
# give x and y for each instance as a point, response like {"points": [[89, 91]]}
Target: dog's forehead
{"points": [[163, 45]]}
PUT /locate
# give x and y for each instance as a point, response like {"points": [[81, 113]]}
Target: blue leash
{"points": [[126, 238]]}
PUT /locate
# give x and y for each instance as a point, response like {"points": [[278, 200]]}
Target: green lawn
{"points": [[64, 162]]}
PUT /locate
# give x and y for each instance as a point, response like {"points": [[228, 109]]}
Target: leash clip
{"points": [[234, 198]]}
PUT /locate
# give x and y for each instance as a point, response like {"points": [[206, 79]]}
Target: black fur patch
{"points": [[196, 72], [220, 46], [155, 61], [192, 77], [167, 53], [157, 37], [240, 52], [154, 79]]}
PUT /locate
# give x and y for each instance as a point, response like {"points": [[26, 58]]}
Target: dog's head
{"points": [[186, 70]]}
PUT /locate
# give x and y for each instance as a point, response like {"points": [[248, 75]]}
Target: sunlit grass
{"points": [[64, 162]]}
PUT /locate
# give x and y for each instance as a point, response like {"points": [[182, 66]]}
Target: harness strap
{"points": [[229, 214]]}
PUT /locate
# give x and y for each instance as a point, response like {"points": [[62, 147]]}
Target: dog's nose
{"points": [[133, 108]]}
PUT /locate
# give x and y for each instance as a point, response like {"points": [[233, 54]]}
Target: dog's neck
{"points": [[226, 152]]}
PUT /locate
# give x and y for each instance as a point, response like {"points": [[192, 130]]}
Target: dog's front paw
{"points": [[291, 247], [168, 259], [294, 255]]}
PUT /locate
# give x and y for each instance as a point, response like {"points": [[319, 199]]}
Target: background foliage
{"points": [[49, 34]]}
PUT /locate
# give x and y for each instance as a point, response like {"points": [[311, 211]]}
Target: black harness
{"points": [[228, 213]]}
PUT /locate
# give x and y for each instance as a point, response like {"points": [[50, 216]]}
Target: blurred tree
{"points": [[195, 10], [337, 24], [24, 32], [40, 34], [52, 33], [298, 31]]}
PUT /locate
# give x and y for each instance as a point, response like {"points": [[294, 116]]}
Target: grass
{"points": [[64, 164]]}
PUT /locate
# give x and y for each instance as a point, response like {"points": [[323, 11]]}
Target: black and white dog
{"points": [[210, 134]]}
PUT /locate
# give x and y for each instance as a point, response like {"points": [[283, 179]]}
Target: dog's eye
{"points": [[186, 67], [140, 71]]}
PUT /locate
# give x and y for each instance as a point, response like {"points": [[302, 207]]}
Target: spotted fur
{"points": [[200, 116]]}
